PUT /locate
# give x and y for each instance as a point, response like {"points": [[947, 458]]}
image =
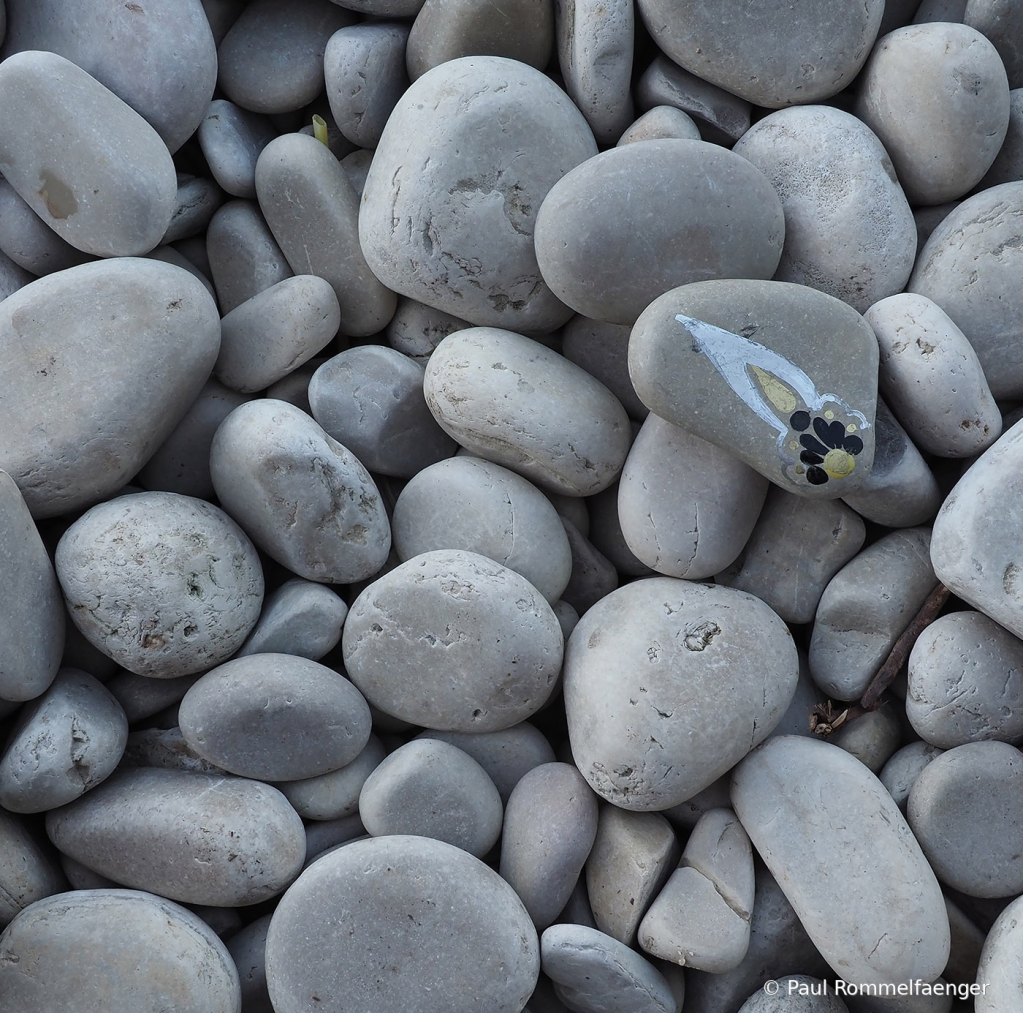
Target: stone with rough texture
{"points": [[662, 694], [115, 198], [430, 788], [820, 820], [964, 809], [32, 617], [159, 58], [686, 507], [231, 139], [370, 398], [975, 545], [454, 641], [468, 503], [426, 928], [938, 98], [271, 61], [334, 795], [313, 212], [416, 330], [26, 872], [123, 949], [139, 828], [275, 717], [970, 266], [301, 617], [848, 227], [549, 827], [511, 400], [865, 608], [796, 548], [306, 500], [440, 221], [100, 363], [166, 585], [931, 374], [76, 719], [903, 767], [806, 60], [782, 376], [674, 211]]}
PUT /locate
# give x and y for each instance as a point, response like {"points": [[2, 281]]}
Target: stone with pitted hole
{"points": [[166, 585], [662, 694], [116, 196], [305, 499], [140, 827], [132, 951], [144, 333], [465, 161], [430, 929], [65, 743]]}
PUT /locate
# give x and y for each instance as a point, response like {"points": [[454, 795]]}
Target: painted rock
{"points": [[780, 375]]}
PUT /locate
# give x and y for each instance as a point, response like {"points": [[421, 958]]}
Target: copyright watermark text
{"points": [[905, 988]]}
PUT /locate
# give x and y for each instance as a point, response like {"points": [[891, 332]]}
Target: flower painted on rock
{"points": [[817, 433]]}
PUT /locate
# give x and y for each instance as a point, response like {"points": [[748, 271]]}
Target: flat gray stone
{"points": [[29, 242], [795, 549], [468, 944], [903, 767], [32, 616], [305, 499], [124, 348], [275, 717], [848, 227], [942, 137], [334, 795], [195, 204], [676, 212], [75, 718], [549, 827], [686, 507], [131, 950], [834, 820], [183, 601], [468, 503], [115, 198], [970, 267], [301, 618], [515, 402], [139, 828], [438, 223], [964, 810], [27, 874], [662, 694], [313, 212], [782, 376], [231, 139], [770, 56], [487, 652]]}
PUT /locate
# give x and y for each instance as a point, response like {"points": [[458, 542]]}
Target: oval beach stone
{"points": [[140, 827], [403, 923], [124, 949], [116, 196], [100, 363], [662, 693], [820, 820], [166, 585], [454, 641]]}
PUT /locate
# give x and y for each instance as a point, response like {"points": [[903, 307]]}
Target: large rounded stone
{"points": [[454, 641], [662, 692], [159, 57], [841, 850], [100, 363], [405, 924], [116, 195], [769, 54], [166, 585], [304, 498], [142, 828], [674, 212], [466, 158], [124, 950], [520, 404], [848, 227]]}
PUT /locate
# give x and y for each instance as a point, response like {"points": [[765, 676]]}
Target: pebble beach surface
{"points": [[511, 507]]}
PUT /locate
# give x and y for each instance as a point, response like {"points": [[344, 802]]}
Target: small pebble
{"points": [[301, 618]]}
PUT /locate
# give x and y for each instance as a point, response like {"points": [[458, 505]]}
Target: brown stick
{"points": [[900, 652]]}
